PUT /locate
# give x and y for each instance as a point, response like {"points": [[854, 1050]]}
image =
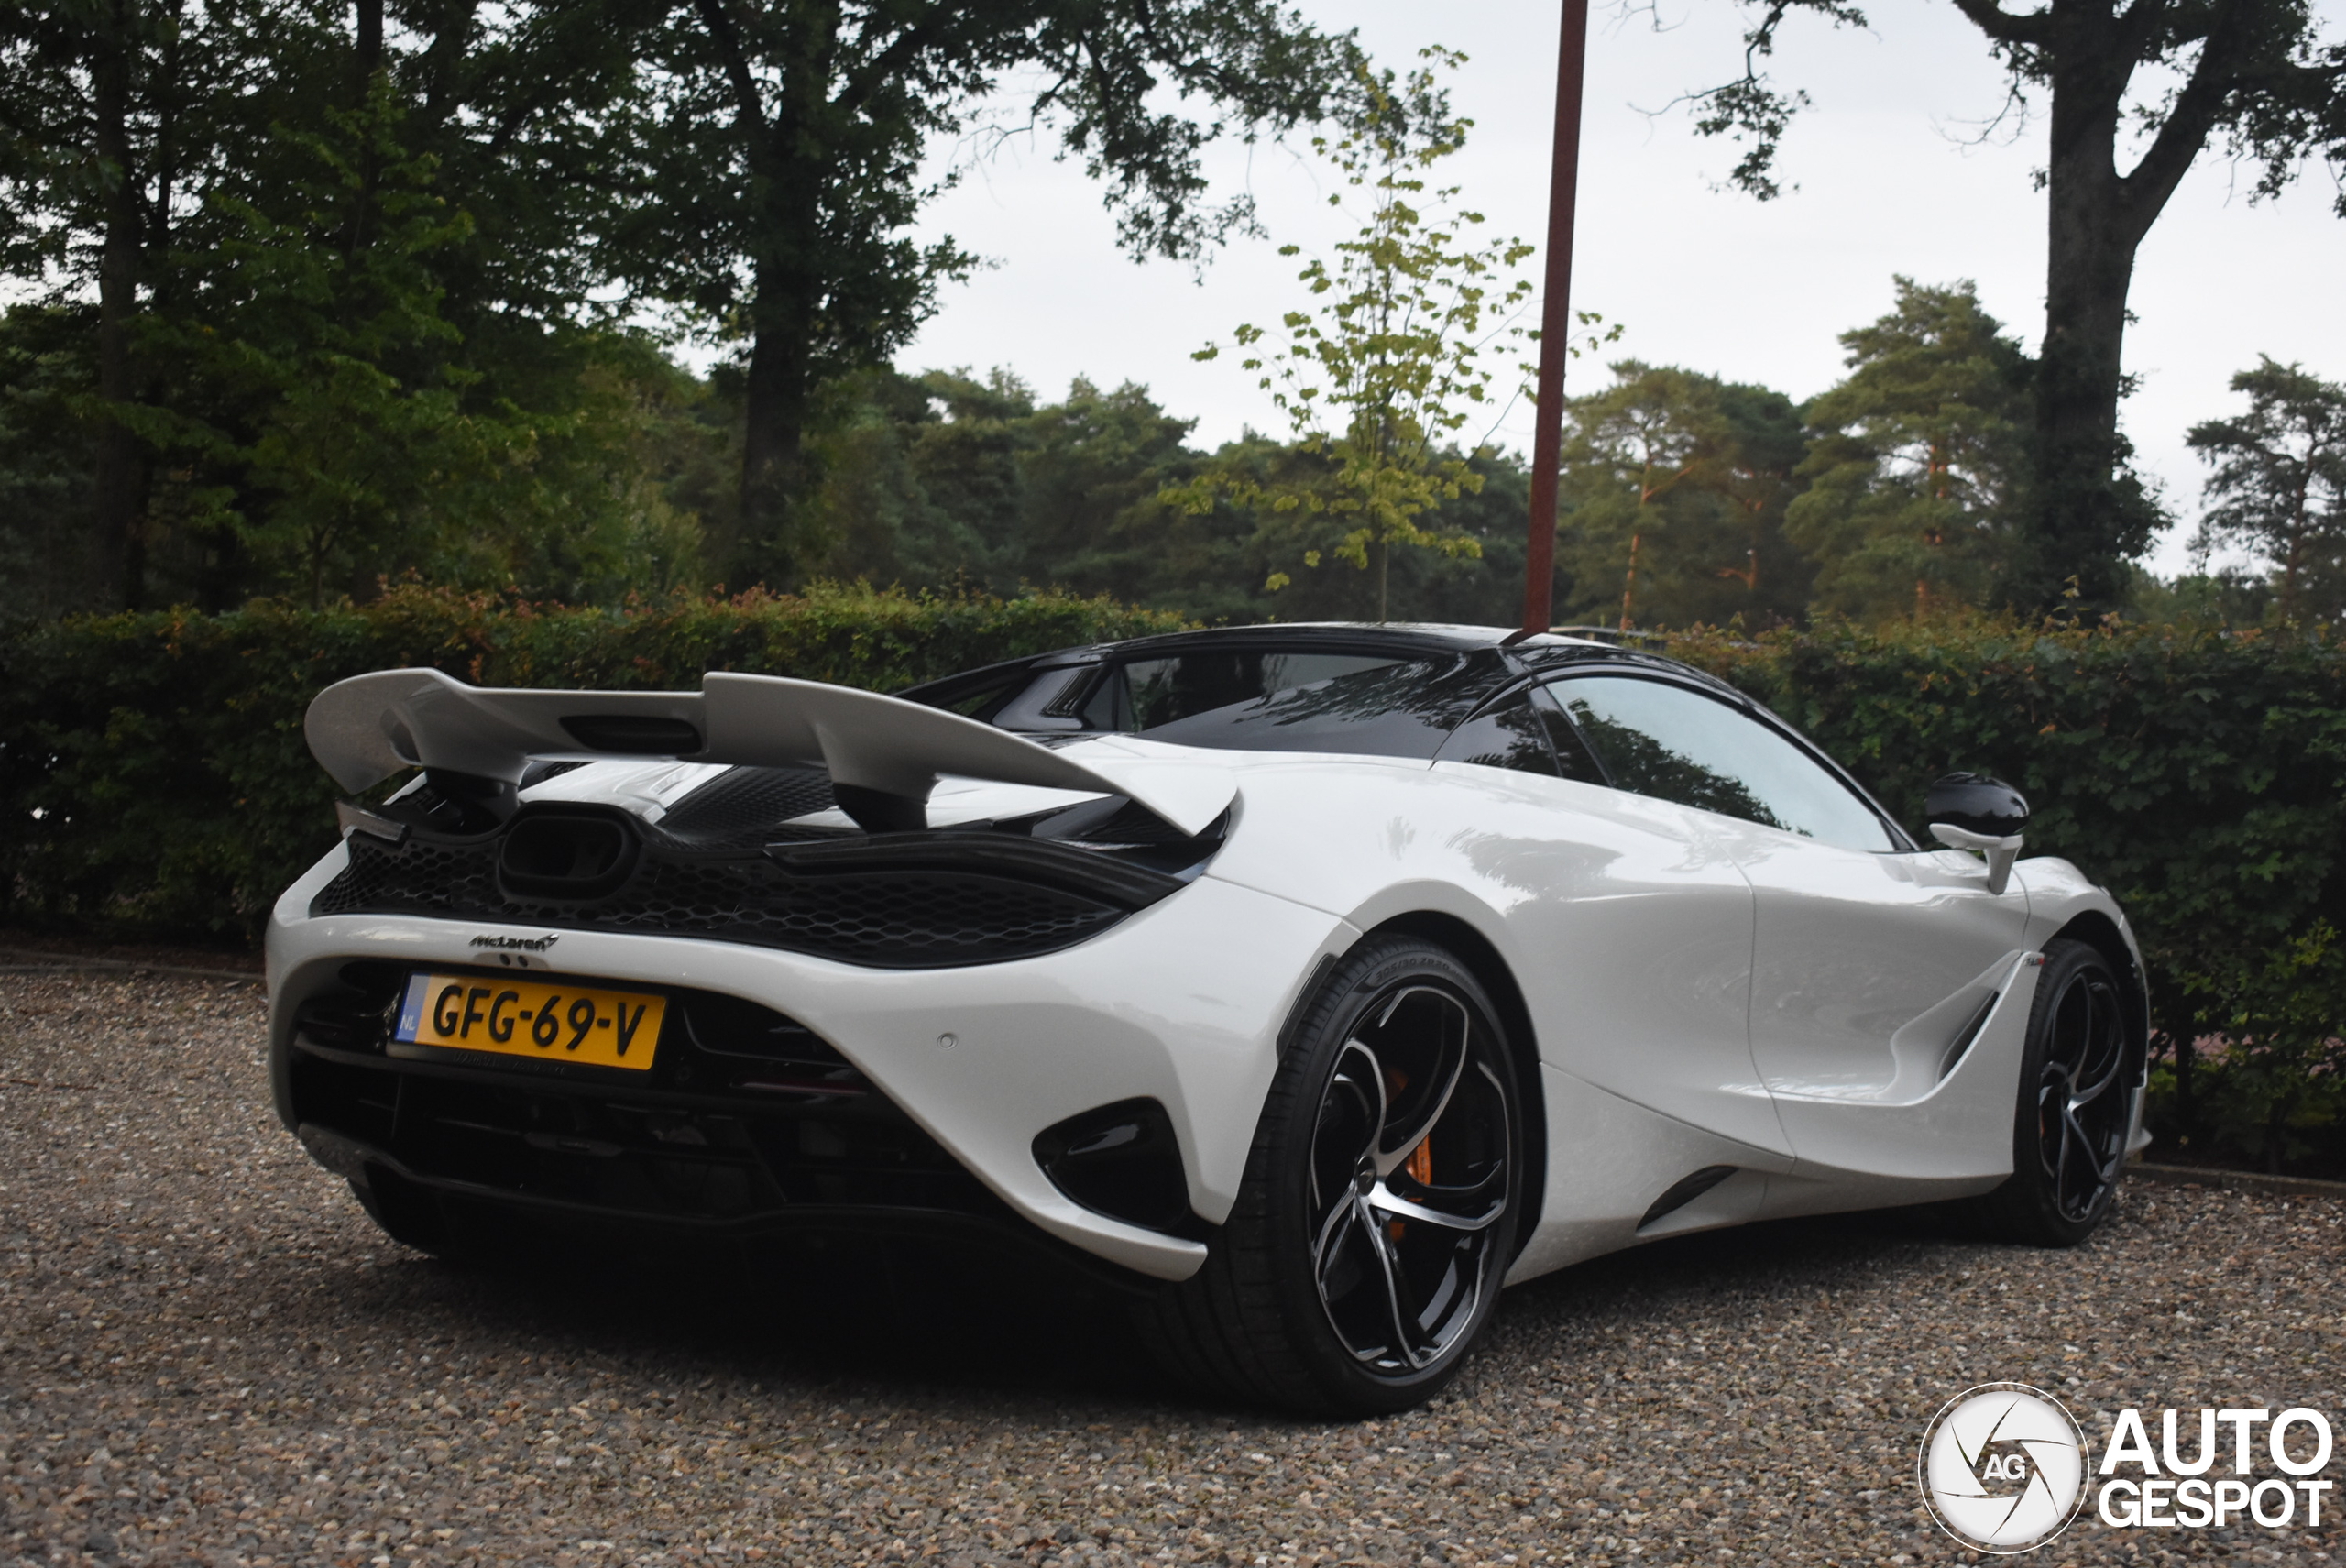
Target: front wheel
{"points": [[2078, 1092], [1379, 1211]]}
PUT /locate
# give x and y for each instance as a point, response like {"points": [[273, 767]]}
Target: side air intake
{"points": [[1685, 1190]]}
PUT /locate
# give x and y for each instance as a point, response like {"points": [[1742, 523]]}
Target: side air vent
{"points": [[1961, 1043], [1685, 1190], [1121, 1160]]}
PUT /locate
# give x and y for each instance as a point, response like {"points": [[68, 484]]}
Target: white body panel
{"points": [[1682, 1019], [1623, 919]]}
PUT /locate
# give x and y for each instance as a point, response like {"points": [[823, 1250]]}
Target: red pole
{"points": [[1555, 322]]}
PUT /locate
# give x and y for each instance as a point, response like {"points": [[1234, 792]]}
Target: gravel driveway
{"points": [[207, 1355]]}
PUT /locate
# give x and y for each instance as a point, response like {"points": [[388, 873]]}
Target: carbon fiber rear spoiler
{"points": [[884, 754]]}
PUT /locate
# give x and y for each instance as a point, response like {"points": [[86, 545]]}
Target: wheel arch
{"points": [[1475, 950], [2099, 932]]}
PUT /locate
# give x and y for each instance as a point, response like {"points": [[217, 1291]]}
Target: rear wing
{"points": [[884, 754]]}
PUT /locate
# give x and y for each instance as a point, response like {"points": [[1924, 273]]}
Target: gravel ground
{"points": [[207, 1355]]}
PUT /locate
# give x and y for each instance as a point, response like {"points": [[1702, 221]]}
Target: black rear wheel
{"points": [[2079, 1082], [1379, 1211]]}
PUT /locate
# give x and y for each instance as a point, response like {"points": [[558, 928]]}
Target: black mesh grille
{"points": [[740, 806], [889, 919]]}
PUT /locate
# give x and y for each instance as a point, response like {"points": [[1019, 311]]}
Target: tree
{"points": [[779, 164], [329, 360], [945, 480], [2257, 75], [1675, 489], [113, 112], [2279, 484], [45, 374], [1918, 460], [1384, 373], [165, 158]]}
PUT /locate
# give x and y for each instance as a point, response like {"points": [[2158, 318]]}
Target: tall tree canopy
{"points": [[2278, 484], [781, 165], [1916, 461], [1675, 489], [2168, 77], [1398, 353], [115, 114], [281, 214]]}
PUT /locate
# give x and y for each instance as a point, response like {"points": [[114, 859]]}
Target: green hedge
{"points": [[153, 777], [2200, 774]]}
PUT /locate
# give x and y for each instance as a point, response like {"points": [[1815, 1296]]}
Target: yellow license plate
{"points": [[531, 1018]]}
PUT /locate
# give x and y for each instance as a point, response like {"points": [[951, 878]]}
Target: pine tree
{"points": [[1918, 462]]}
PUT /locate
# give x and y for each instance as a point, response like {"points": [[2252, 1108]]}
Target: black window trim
{"points": [[1902, 842], [1517, 686]]}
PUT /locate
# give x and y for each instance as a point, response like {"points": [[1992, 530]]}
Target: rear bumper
{"points": [[1181, 1004], [997, 1232]]}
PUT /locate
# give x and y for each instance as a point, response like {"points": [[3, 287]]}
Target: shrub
{"points": [[153, 777]]}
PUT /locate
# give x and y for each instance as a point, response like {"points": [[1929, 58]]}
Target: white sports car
{"points": [[1309, 982]]}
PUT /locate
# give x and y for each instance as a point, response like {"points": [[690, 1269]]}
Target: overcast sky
{"points": [[1889, 177]]}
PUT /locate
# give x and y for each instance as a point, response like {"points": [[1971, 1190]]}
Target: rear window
{"points": [[1365, 704]]}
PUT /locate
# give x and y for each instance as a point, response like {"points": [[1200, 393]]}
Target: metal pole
{"points": [[1555, 322]]}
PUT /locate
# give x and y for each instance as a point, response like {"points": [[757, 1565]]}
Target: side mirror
{"points": [[1975, 811]]}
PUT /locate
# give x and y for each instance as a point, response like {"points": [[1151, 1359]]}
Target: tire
{"points": [[2078, 1084], [408, 1213], [1379, 1211]]}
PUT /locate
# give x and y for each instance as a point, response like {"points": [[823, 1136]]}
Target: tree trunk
{"points": [[121, 478], [2085, 522], [2298, 525], [773, 463], [2089, 512], [369, 26], [782, 350], [1630, 583]]}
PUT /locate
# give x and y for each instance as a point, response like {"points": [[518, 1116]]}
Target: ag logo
{"points": [[2003, 1467]]}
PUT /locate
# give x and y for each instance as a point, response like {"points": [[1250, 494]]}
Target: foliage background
{"points": [[153, 777]]}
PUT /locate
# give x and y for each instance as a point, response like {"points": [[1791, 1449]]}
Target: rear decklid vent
{"points": [[740, 807]]}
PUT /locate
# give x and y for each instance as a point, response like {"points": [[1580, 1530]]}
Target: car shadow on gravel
{"points": [[933, 1324], [908, 1321], [1867, 1250]]}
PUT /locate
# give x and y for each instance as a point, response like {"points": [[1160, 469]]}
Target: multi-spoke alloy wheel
{"points": [[1380, 1205], [2079, 1087], [1408, 1181]]}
